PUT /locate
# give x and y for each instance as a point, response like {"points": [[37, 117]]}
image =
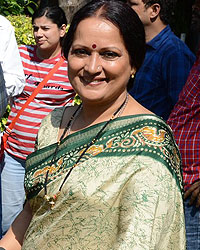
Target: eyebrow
{"points": [[86, 47], [43, 26]]}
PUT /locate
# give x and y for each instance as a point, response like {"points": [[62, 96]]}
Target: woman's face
{"points": [[47, 34], [98, 62]]}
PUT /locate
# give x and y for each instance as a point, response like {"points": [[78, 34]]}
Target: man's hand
{"points": [[194, 193]]}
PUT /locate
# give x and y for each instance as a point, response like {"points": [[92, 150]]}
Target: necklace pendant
{"points": [[52, 204], [55, 197], [52, 199], [47, 197]]}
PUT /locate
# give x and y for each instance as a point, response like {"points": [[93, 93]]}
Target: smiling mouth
{"points": [[93, 81]]}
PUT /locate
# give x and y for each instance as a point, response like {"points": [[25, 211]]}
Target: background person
{"points": [[185, 122], [167, 62], [12, 78], [49, 28], [111, 178]]}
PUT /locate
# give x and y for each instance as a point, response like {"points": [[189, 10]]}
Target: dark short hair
{"points": [[166, 8], [54, 13], [123, 17]]}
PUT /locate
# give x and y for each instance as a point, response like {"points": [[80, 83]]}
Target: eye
{"points": [[109, 55], [45, 28], [35, 29], [131, 3], [80, 52]]}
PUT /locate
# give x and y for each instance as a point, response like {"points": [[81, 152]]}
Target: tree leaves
{"points": [[17, 7]]}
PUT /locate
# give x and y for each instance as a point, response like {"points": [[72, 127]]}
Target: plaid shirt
{"points": [[3, 94], [163, 74], [185, 123]]}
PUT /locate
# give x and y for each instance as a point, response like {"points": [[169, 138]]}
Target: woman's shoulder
{"points": [[152, 138], [53, 119], [153, 129], [29, 48], [48, 132], [152, 134], [49, 129], [27, 51]]}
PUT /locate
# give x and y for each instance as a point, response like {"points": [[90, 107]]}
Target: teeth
{"points": [[95, 81]]}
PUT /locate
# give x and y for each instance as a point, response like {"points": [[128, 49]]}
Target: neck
{"points": [[92, 114], [153, 29], [48, 54]]}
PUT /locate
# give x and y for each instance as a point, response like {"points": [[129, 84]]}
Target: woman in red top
{"points": [[49, 28]]}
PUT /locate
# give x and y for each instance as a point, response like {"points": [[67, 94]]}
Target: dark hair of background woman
{"points": [[123, 17], [54, 13]]}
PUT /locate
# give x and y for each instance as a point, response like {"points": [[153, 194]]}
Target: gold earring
{"points": [[132, 75]]}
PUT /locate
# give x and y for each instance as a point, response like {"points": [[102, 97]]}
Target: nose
{"points": [[38, 33], [93, 64]]}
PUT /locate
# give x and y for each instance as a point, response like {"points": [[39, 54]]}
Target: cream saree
{"points": [[124, 194]]}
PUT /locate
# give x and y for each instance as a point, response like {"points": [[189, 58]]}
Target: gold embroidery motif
{"points": [[94, 150], [152, 134]]}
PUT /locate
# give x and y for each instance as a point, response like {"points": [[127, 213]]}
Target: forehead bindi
{"points": [[94, 46]]}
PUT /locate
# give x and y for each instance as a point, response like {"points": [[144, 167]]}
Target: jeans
{"points": [[192, 223], [12, 189]]}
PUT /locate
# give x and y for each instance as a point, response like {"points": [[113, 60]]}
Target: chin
{"points": [[92, 99]]}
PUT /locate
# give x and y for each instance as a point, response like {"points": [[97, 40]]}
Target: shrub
{"points": [[23, 29], [3, 120], [17, 7]]}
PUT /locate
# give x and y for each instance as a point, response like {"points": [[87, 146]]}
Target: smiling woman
{"points": [[100, 74], [106, 174]]}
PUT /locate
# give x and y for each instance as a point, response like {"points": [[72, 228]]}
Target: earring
{"points": [[132, 75]]}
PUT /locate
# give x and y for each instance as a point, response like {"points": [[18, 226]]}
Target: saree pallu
{"points": [[124, 194]]}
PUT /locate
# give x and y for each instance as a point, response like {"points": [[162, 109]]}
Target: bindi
{"points": [[94, 46]]}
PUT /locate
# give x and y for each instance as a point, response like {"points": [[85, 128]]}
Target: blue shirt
{"points": [[163, 74]]}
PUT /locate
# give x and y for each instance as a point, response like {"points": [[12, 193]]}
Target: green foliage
{"points": [[77, 100], [3, 120], [17, 7], [23, 29]]}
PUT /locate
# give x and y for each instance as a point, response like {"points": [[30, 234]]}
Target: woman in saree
{"points": [[106, 174]]}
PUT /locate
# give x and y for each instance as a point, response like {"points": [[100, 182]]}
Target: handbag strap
{"points": [[31, 97]]}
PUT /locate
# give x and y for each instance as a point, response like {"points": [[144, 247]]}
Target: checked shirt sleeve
{"points": [[185, 123]]}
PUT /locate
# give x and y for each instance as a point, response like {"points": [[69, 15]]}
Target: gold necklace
{"points": [[52, 199]]}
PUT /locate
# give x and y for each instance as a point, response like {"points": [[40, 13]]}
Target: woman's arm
{"points": [[13, 239], [151, 210]]}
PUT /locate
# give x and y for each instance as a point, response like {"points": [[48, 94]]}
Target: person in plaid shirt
{"points": [[185, 123]]}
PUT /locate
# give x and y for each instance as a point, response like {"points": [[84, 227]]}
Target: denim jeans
{"points": [[192, 223], [12, 189]]}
